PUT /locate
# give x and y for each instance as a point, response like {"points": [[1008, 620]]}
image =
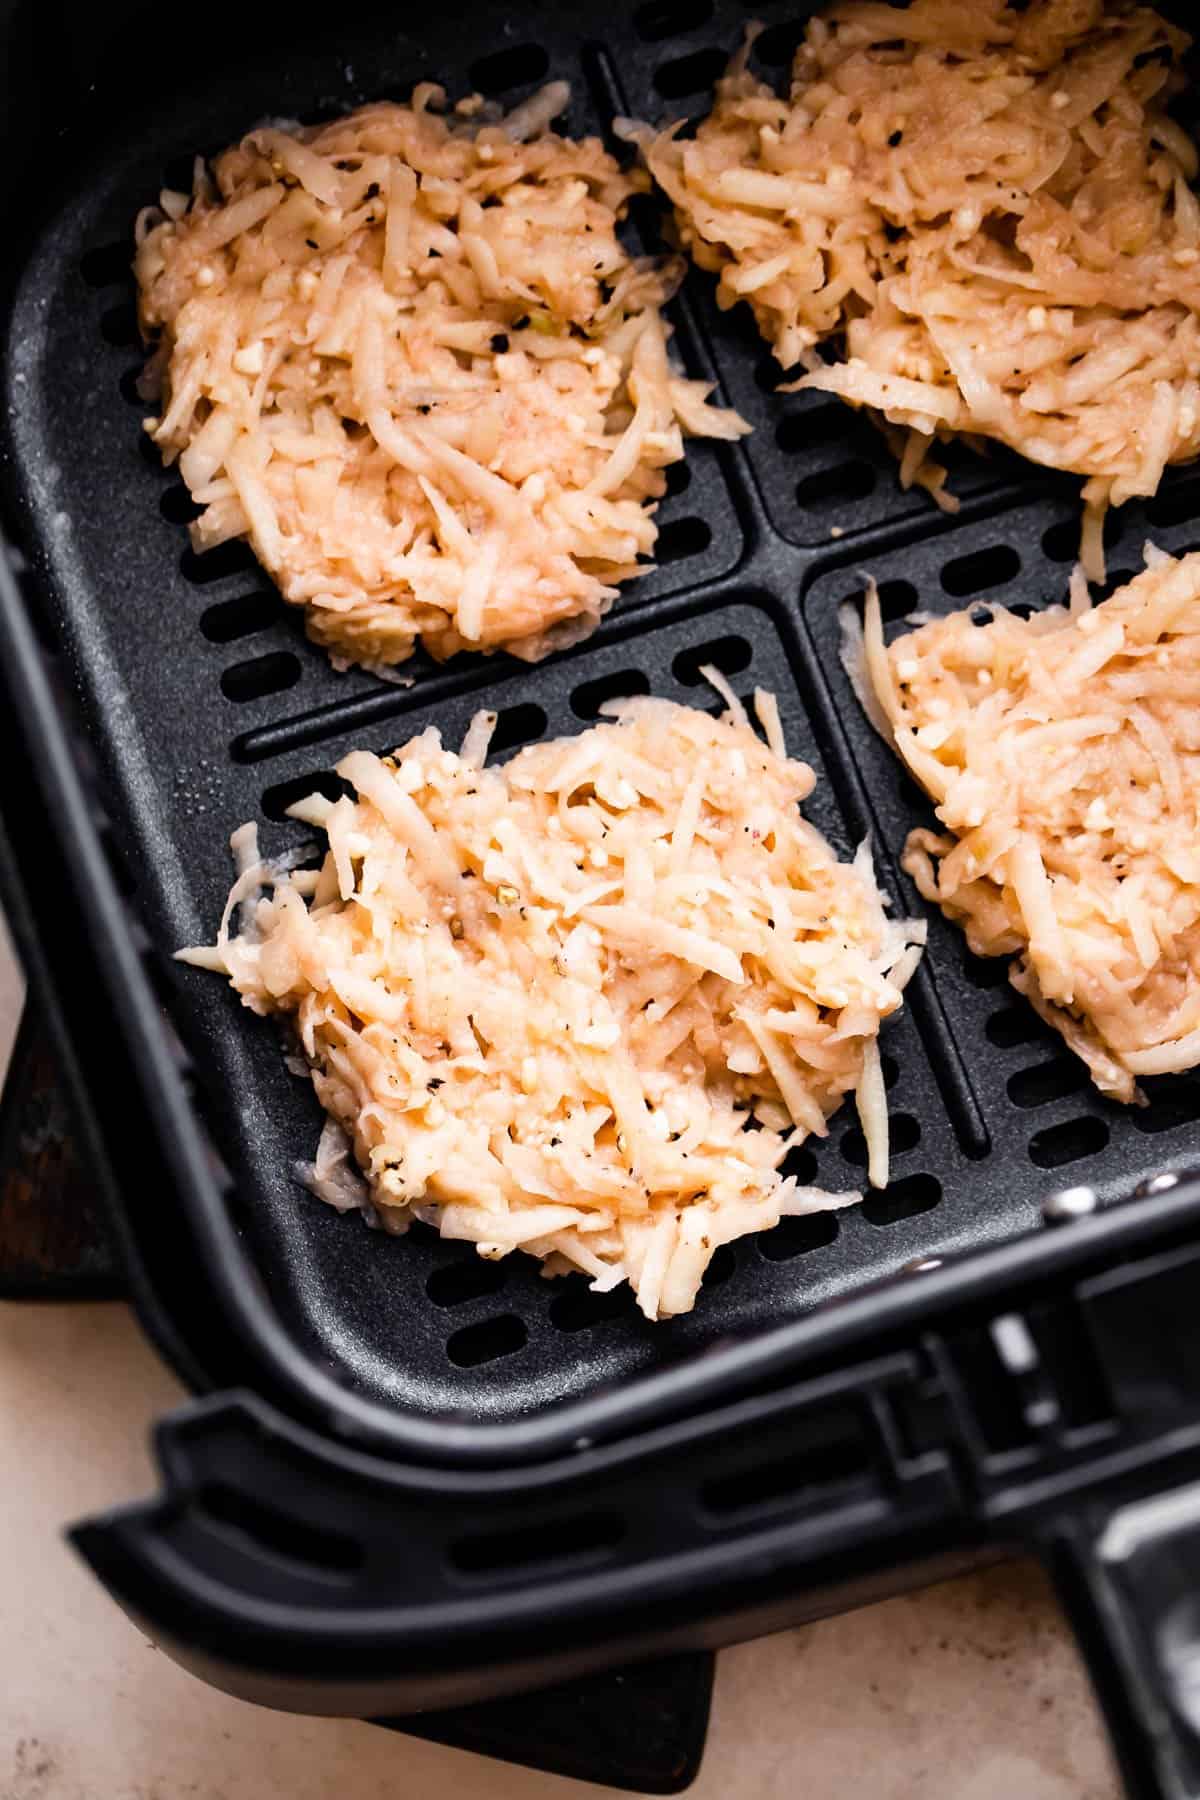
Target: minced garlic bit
{"points": [[989, 209], [531, 1054], [1069, 785], [406, 356]]}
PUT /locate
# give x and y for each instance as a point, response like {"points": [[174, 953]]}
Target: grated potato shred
{"points": [[987, 212], [406, 356], [581, 1005], [1062, 752]]}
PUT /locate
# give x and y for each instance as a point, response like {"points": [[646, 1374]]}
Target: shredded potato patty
{"points": [[406, 356], [1063, 752], [991, 211], [581, 1005]]}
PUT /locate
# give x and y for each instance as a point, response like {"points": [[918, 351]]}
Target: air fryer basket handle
{"points": [[1081, 1441], [1129, 1579]]}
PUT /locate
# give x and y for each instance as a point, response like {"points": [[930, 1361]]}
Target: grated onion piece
{"points": [[332, 1177]]}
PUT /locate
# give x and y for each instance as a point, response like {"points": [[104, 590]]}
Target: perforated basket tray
{"points": [[206, 706]]}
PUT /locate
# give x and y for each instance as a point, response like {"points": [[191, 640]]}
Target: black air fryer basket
{"points": [[416, 1478]]}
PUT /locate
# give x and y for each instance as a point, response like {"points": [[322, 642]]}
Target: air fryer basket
{"points": [[207, 706], [203, 705]]}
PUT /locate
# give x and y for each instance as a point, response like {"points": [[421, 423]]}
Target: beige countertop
{"points": [[968, 1691]]}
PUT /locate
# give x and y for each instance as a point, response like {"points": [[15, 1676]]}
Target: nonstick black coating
{"points": [[208, 707]]}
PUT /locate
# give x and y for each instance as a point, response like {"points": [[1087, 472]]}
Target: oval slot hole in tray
{"points": [[261, 676]]}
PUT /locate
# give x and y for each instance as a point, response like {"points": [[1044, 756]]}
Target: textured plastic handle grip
{"points": [[1130, 1582]]}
